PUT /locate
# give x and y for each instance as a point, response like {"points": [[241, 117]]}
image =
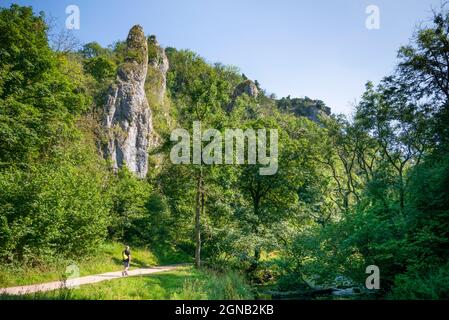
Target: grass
{"points": [[183, 283], [108, 258]]}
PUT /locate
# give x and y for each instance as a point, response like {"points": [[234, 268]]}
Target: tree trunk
{"points": [[198, 209], [255, 263], [257, 255], [401, 191]]}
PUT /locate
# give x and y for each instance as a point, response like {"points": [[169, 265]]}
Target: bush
{"points": [[55, 208], [413, 285], [101, 68]]}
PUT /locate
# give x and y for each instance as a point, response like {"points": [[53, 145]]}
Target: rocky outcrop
{"points": [[248, 87], [313, 112], [304, 107], [127, 115], [158, 66]]}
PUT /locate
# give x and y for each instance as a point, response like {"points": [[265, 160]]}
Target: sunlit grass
{"points": [[108, 258], [183, 283]]}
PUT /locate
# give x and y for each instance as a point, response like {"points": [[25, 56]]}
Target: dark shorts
{"points": [[126, 264]]}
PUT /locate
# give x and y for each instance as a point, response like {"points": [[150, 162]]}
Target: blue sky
{"points": [[315, 48]]}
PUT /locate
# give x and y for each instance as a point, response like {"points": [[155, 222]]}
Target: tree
{"points": [[38, 103], [398, 125], [101, 68], [424, 69], [129, 206], [200, 93], [272, 199], [93, 50]]}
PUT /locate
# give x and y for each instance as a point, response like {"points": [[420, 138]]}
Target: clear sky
{"points": [[315, 48]]}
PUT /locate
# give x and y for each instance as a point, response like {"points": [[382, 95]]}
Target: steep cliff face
{"points": [[157, 73], [127, 115]]}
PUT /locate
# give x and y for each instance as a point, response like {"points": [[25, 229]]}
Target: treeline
{"points": [[370, 190]]}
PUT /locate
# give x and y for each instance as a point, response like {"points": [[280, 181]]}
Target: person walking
{"points": [[126, 260]]}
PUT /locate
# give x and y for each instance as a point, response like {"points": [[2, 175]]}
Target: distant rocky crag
{"points": [[304, 107]]}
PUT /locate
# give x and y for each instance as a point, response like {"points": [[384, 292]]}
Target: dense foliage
{"points": [[348, 193]]}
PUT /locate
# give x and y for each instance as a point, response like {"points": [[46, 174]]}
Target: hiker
{"points": [[126, 260]]}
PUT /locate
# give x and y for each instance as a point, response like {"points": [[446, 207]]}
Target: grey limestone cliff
{"points": [[127, 115]]}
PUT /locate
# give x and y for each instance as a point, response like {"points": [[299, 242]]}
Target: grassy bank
{"points": [[107, 258], [183, 283]]}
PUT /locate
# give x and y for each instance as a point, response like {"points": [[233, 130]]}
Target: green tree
{"points": [[38, 103]]}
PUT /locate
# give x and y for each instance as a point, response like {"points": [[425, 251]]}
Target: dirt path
{"points": [[73, 283]]}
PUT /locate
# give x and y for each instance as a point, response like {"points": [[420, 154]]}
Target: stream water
{"points": [[336, 294]]}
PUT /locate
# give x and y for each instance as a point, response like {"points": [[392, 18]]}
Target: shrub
{"points": [[55, 208], [413, 285]]}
